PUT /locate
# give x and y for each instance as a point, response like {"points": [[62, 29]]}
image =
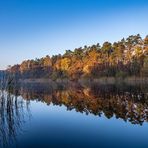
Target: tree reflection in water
{"points": [[12, 116], [129, 103]]}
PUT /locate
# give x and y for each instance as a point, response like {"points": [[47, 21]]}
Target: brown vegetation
{"points": [[128, 57]]}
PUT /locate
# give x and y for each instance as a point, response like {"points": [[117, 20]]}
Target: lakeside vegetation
{"points": [[125, 58]]}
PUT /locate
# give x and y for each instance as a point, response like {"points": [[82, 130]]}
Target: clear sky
{"points": [[36, 28]]}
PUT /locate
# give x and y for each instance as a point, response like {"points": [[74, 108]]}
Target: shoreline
{"points": [[102, 80]]}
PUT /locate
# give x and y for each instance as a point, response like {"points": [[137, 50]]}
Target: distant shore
{"points": [[102, 80]]}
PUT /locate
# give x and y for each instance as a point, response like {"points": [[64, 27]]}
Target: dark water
{"points": [[74, 116]]}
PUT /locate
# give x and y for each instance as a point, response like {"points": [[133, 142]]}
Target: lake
{"points": [[74, 116]]}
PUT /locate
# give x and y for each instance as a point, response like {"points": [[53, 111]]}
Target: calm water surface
{"points": [[74, 116]]}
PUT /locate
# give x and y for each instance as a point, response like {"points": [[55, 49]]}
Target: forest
{"points": [[125, 58]]}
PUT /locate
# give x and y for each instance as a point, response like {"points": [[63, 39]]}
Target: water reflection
{"points": [[128, 102], [12, 117]]}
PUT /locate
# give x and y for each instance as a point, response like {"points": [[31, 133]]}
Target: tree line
{"points": [[128, 57]]}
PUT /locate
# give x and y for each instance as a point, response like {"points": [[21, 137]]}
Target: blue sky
{"points": [[36, 28]]}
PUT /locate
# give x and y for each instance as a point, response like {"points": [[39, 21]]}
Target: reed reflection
{"points": [[13, 115]]}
